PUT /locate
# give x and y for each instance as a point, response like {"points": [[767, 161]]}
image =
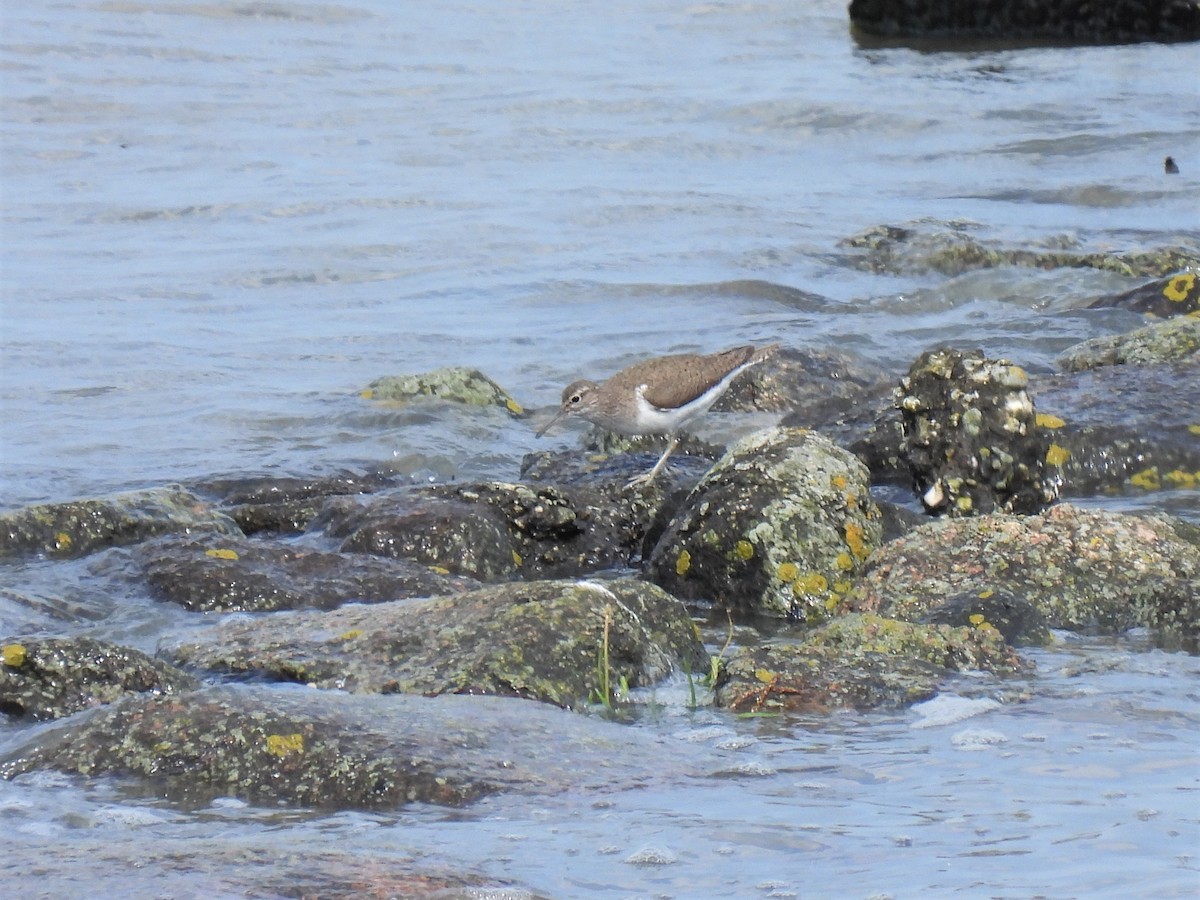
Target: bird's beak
{"points": [[558, 415]]}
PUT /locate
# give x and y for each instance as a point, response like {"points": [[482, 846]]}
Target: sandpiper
{"points": [[658, 396]]}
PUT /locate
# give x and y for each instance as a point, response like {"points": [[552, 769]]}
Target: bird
{"points": [[1170, 166], [657, 396]]}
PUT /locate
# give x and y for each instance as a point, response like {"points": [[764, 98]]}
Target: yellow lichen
{"points": [[842, 587], [517, 559], [810, 583], [367, 394], [62, 540], [1194, 429], [839, 482], [513, 406], [1178, 288], [682, 563], [282, 745], [13, 655], [350, 635], [977, 619], [440, 570], [787, 572], [1047, 420], [1180, 479], [1147, 479], [1057, 455], [844, 561], [766, 676], [985, 593], [744, 550], [222, 553], [856, 540]]}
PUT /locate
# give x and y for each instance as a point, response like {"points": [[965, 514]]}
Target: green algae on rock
{"points": [[225, 573], [48, 678], [778, 526], [540, 640], [1086, 570], [455, 383], [80, 527], [971, 437]]}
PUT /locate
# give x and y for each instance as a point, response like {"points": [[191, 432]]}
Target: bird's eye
{"points": [[575, 398]]}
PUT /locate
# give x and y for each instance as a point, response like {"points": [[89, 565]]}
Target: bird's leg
{"points": [[662, 461]]}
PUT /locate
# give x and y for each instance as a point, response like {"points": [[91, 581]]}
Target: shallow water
{"points": [[221, 221]]}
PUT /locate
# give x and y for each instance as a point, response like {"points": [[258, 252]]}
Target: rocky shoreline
{"points": [[571, 589]]}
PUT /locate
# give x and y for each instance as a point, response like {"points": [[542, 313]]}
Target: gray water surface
{"points": [[222, 220]]}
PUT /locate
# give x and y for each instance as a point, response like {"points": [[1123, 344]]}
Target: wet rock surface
{"points": [[48, 678], [1081, 569], [778, 526], [68, 530], [861, 662], [1174, 295], [1158, 342], [554, 641], [495, 531], [457, 384], [212, 572], [950, 249], [970, 436], [1067, 20]]}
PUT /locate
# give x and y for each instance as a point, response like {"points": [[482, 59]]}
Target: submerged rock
{"points": [[209, 573], [80, 527], [454, 383], [554, 641], [778, 526], [859, 662], [1081, 569], [970, 436], [948, 248], [48, 678]]}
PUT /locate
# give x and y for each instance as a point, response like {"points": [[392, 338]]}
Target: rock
{"points": [[542, 640], [971, 438], [947, 247], [860, 662], [287, 505], [497, 530], [778, 526], [80, 527], [1175, 295], [1084, 570], [453, 383], [48, 678], [1063, 20], [210, 573], [1158, 342]]}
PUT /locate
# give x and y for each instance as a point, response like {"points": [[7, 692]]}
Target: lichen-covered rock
{"points": [[80, 527], [1176, 295], [860, 662], [971, 437], [1174, 339], [287, 505], [948, 248], [48, 678], [498, 530], [1070, 20], [544, 640], [1082, 569], [778, 526], [1124, 427], [257, 746], [209, 572], [455, 383]]}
